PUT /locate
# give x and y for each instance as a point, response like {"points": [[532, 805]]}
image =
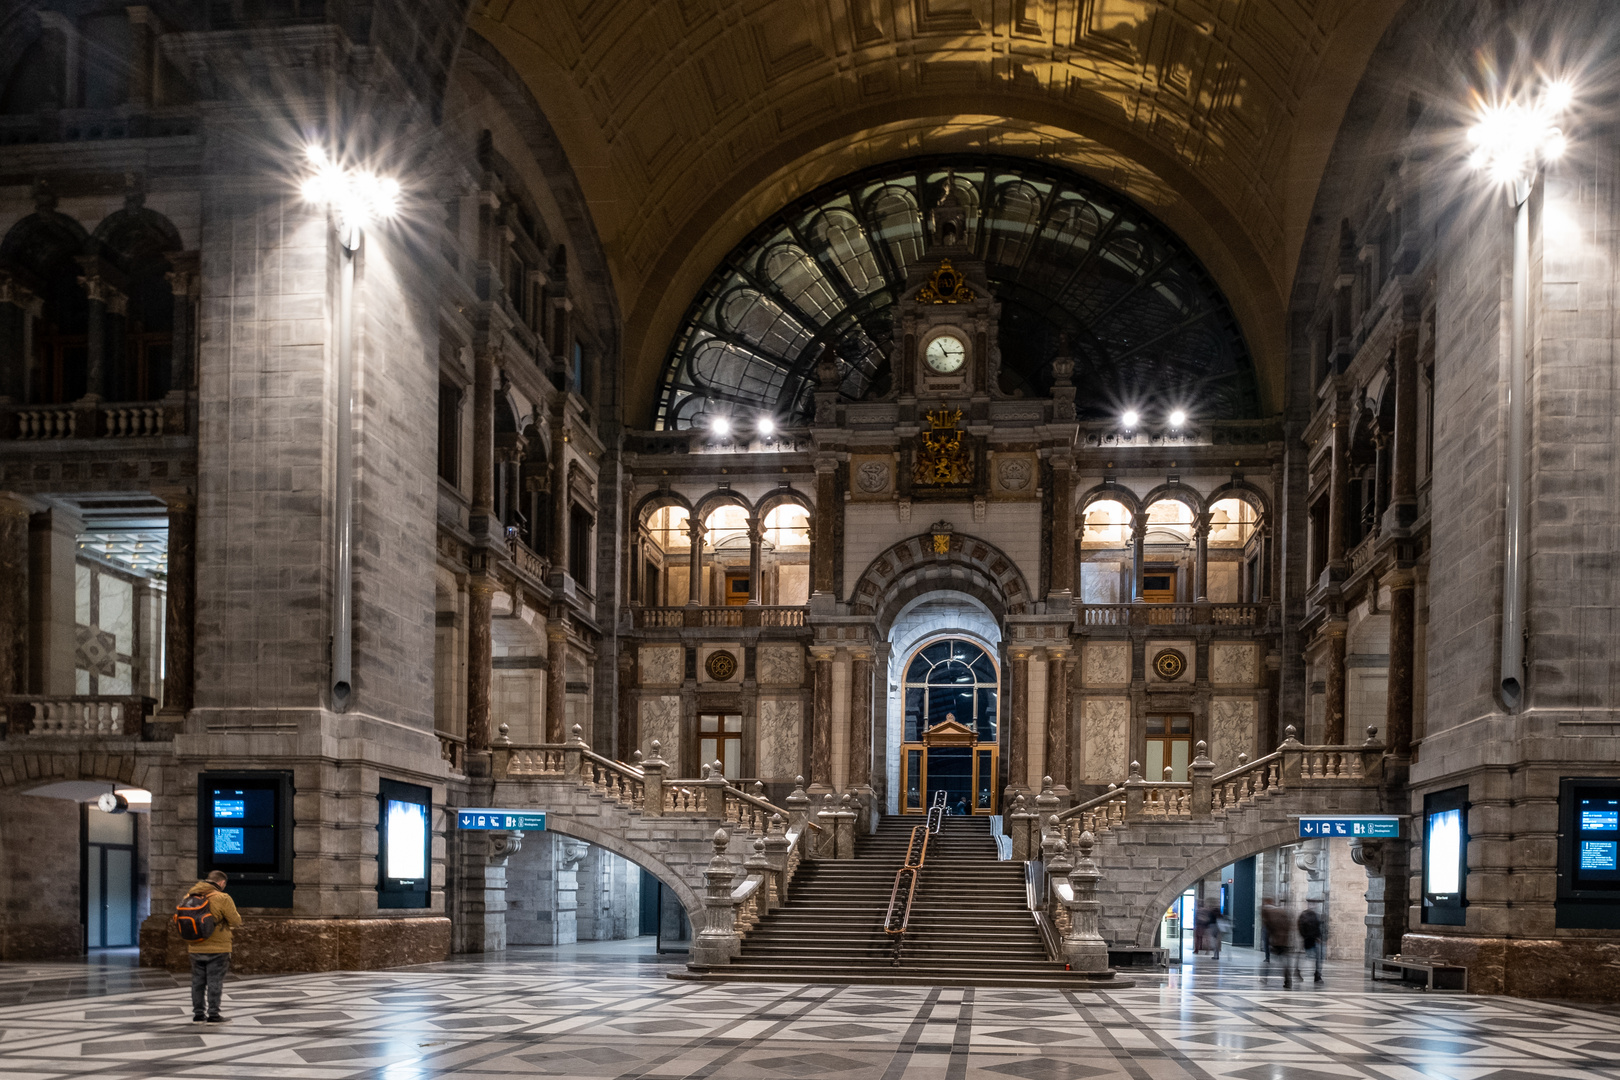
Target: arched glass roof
{"points": [[1069, 260]]}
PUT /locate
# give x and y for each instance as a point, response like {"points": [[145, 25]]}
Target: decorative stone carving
{"points": [[721, 665], [780, 665], [1231, 665], [1168, 663], [661, 720], [1108, 665], [1232, 723], [661, 665], [1105, 731], [872, 477], [781, 738], [1014, 473], [728, 669]]}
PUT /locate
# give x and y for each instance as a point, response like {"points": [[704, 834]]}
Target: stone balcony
{"points": [[81, 717], [1174, 617], [697, 616]]}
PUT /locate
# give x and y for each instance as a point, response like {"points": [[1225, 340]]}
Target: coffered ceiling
{"points": [[688, 122]]}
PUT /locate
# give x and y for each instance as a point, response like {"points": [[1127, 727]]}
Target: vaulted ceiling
{"points": [[688, 122]]}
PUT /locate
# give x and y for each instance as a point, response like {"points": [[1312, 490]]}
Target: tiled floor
{"points": [[608, 1011]]}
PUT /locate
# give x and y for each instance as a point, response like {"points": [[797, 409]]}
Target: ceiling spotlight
{"points": [[1130, 418], [720, 426], [1178, 418], [766, 425]]}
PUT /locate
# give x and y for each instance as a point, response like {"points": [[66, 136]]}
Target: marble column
{"points": [[556, 682], [18, 309], [822, 567], [141, 32], [860, 720], [1334, 684], [1338, 492], [1018, 728], [821, 721], [1062, 538], [756, 536], [13, 595], [1403, 470], [183, 284], [104, 301], [1398, 706], [1380, 485], [483, 451], [694, 566], [1201, 559], [480, 660], [179, 632], [1057, 722], [1138, 542], [560, 561]]}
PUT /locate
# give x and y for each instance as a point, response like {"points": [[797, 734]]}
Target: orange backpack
{"points": [[193, 918]]}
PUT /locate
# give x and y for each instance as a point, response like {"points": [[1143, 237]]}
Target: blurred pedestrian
{"points": [[1310, 936], [1280, 933]]}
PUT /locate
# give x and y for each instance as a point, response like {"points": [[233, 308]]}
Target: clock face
{"points": [[945, 354]]}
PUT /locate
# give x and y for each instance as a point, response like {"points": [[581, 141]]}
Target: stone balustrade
{"points": [[1136, 616], [78, 716], [742, 615], [93, 420]]}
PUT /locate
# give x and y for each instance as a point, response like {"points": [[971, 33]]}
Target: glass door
{"points": [[1169, 743], [109, 879], [720, 737]]}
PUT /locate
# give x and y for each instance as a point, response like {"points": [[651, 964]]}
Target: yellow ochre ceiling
{"points": [[687, 122]]}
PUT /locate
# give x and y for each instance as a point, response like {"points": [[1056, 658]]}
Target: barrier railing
{"points": [[897, 919]]}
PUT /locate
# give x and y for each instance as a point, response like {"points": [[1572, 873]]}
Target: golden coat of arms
{"points": [[946, 286], [943, 453]]}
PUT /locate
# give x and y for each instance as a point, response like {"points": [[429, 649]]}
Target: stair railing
{"points": [[898, 918], [1037, 899]]}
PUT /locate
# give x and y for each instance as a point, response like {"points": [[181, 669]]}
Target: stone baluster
{"points": [[1083, 947], [501, 754], [1372, 756], [575, 763], [717, 942], [759, 863]]}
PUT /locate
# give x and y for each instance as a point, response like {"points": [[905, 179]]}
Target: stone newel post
{"points": [[1024, 842], [844, 829], [652, 783], [1203, 773], [1083, 947], [714, 791], [717, 942]]}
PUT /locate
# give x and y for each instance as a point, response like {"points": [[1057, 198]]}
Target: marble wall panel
{"points": [[661, 665], [781, 738], [1107, 664], [1231, 664], [780, 665], [661, 720], [1105, 733], [1232, 723]]}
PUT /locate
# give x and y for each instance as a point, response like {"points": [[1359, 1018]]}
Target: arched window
{"points": [[951, 679]]}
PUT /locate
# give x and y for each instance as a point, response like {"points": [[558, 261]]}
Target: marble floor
{"points": [[608, 1011]]}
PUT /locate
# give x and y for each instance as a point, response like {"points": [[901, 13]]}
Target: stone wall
{"points": [[39, 878], [560, 890]]}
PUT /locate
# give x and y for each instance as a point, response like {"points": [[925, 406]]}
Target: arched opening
{"points": [[517, 691], [42, 253], [141, 360], [951, 693], [665, 552], [1235, 571], [1167, 571], [1105, 552]]}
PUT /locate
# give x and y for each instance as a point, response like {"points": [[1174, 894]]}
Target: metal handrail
{"points": [[1035, 898], [895, 923]]}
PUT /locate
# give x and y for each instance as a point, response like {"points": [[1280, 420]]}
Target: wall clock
{"points": [[946, 354]]}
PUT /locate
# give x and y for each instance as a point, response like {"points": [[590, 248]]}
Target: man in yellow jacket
{"points": [[211, 957]]}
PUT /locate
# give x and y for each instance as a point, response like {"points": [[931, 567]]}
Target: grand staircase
{"points": [[970, 924]]}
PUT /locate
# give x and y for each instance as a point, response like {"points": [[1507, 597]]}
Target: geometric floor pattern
{"points": [[609, 1012]]}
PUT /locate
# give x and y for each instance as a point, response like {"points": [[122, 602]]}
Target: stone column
{"points": [[1057, 723], [1334, 688], [556, 681], [756, 536], [140, 55], [180, 614], [694, 570], [183, 284], [13, 595], [1380, 486], [1138, 541], [1018, 728], [104, 300], [822, 566], [1402, 617], [1403, 472], [821, 722], [1062, 538], [480, 660], [1201, 559], [480, 926], [560, 562], [18, 309], [1338, 491], [860, 721], [483, 450], [52, 543]]}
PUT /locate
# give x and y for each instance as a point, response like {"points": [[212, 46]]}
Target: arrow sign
{"points": [[1372, 826], [488, 820]]}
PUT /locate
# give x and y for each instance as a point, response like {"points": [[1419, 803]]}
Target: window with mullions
{"points": [[951, 679], [1074, 265]]}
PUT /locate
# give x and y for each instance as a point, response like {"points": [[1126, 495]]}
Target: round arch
{"points": [[653, 502], [1180, 493], [783, 496], [1147, 920], [564, 825], [1245, 492], [1111, 493], [711, 501], [912, 568]]}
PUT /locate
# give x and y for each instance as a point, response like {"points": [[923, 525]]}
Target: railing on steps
{"points": [[1208, 795], [1037, 896], [897, 919]]}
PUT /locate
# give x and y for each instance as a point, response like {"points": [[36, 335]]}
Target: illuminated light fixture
{"points": [[358, 198], [1130, 418], [1510, 139], [766, 425], [1178, 418], [720, 426]]}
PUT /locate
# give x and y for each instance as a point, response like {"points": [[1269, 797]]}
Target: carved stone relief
{"points": [[1015, 474], [873, 477], [661, 720], [780, 665], [1105, 733], [662, 665], [1108, 665], [781, 733], [1232, 724], [1231, 665]]}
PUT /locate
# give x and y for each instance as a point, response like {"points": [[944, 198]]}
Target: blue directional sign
{"points": [[514, 820], [1374, 826]]}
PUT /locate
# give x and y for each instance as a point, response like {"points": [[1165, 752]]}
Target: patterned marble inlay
{"points": [[1107, 665], [661, 665], [781, 738], [1231, 664], [1105, 731], [661, 720], [1231, 731], [780, 665]]}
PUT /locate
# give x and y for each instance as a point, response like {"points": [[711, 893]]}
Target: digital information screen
{"points": [[1597, 839], [243, 826], [406, 854], [1442, 854], [405, 836]]}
